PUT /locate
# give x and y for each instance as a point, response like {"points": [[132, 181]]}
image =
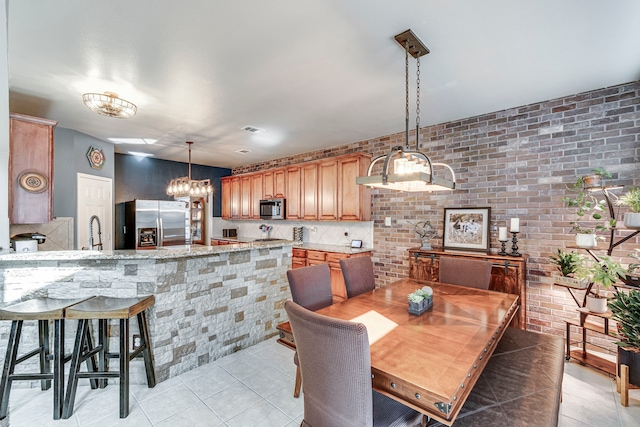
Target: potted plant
{"points": [[567, 263], [601, 273], [596, 179], [420, 300], [631, 199], [589, 210], [625, 310], [632, 278]]}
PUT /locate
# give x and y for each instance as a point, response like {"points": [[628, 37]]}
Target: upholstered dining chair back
{"points": [[336, 369], [358, 275], [311, 286], [473, 273]]}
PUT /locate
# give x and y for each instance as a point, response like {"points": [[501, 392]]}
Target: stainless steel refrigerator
{"points": [[155, 223]]}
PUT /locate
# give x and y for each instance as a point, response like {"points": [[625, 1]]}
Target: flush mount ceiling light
{"points": [[187, 187], [108, 104], [412, 170]]}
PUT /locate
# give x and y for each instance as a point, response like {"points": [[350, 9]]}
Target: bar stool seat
{"points": [[103, 309], [43, 310]]}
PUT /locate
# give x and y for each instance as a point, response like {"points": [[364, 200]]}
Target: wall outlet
{"points": [[387, 221]]}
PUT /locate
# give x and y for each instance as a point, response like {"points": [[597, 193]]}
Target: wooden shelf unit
{"points": [[583, 356]]}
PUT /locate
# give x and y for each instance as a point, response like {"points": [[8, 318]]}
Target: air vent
{"points": [[252, 129], [243, 151]]}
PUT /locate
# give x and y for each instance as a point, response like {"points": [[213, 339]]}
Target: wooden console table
{"points": [[507, 275]]}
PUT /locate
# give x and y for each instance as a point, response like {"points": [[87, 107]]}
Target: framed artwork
{"points": [[466, 229]]}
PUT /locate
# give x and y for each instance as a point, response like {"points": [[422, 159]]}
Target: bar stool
{"points": [[42, 310], [104, 309]]}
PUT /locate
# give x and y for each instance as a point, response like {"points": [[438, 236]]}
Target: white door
{"points": [[94, 198]]}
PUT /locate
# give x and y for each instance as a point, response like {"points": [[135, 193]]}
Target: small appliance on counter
{"points": [[229, 232], [297, 234], [27, 242]]}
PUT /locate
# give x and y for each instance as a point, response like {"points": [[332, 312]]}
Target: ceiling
{"points": [[311, 74]]}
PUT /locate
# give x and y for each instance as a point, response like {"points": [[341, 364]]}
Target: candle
{"points": [[502, 234], [515, 225]]}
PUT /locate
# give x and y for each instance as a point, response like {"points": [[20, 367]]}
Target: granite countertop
{"points": [[167, 252], [331, 248]]}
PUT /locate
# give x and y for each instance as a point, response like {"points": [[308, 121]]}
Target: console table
{"points": [[507, 275]]}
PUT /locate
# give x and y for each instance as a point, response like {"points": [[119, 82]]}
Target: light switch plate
{"points": [[387, 221]]}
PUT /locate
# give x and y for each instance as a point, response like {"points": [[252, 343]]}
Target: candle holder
{"points": [[514, 246], [504, 247]]}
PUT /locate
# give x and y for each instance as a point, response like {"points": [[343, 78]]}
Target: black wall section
{"points": [[147, 178]]}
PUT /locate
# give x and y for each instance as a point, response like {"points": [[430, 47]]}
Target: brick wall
{"points": [[517, 161]]}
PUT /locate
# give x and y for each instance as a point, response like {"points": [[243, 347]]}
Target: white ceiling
{"points": [[312, 74]]}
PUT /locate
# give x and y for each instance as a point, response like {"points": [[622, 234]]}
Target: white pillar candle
{"points": [[515, 225], [502, 234]]}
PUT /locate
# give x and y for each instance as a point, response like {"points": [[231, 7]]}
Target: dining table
{"points": [[429, 362]]}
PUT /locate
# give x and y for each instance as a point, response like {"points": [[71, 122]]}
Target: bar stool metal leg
{"points": [[103, 361], [9, 365], [147, 352], [124, 368], [43, 339]]}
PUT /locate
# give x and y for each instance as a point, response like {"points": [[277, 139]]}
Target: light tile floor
{"points": [[254, 387]]}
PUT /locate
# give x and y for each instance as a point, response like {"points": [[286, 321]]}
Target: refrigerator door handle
{"points": [[160, 231]]}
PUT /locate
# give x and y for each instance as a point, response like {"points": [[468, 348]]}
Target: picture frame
{"points": [[467, 229]]}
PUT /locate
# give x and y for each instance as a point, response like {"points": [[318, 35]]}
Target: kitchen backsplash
{"points": [[322, 232]]}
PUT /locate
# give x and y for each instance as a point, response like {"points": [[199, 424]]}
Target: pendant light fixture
{"points": [[410, 170], [187, 187], [108, 104]]}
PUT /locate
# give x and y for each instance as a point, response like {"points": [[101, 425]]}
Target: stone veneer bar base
{"points": [[209, 303]]}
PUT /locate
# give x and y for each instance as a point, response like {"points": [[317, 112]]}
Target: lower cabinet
{"points": [[305, 257], [508, 274]]}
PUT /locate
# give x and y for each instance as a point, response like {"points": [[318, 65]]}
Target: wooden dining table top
{"points": [[431, 361]]}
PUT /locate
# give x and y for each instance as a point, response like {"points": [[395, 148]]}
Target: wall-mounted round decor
{"points": [[33, 182], [96, 157]]}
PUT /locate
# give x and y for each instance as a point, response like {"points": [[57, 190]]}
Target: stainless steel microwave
{"points": [[272, 209]]}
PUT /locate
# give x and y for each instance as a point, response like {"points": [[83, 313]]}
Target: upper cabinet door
{"points": [[328, 190], [235, 198], [226, 198], [267, 185], [245, 197], [309, 191], [354, 201], [257, 182], [30, 170], [293, 193], [279, 183]]}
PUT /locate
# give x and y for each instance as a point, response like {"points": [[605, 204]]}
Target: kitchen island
{"points": [[210, 301]]}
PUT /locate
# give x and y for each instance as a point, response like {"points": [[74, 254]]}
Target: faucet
{"points": [[99, 244]]}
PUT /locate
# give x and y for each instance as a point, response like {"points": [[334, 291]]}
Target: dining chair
{"points": [[358, 275], [311, 288], [472, 273], [336, 366]]}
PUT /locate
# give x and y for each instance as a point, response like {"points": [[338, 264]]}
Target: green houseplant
{"points": [[631, 199], [602, 273], [567, 263], [589, 211], [625, 310]]}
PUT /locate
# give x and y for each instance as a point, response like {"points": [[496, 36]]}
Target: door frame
{"points": [[108, 223]]}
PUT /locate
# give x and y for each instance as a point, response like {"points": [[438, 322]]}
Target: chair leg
{"points": [[87, 346], [103, 342], [147, 353], [124, 368], [58, 368], [76, 360], [9, 365], [45, 351], [296, 388]]}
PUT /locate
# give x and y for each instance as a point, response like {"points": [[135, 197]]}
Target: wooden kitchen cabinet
{"points": [[274, 184], [328, 190], [293, 193], [309, 191], [354, 201], [226, 197], [235, 198], [298, 258], [30, 169], [257, 186], [319, 190], [508, 274], [245, 197]]}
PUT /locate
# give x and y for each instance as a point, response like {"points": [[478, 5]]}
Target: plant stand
{"points": [[583, 356]]}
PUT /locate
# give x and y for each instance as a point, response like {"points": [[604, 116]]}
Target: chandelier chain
{"points": [[406, 88], [418, 93]]}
